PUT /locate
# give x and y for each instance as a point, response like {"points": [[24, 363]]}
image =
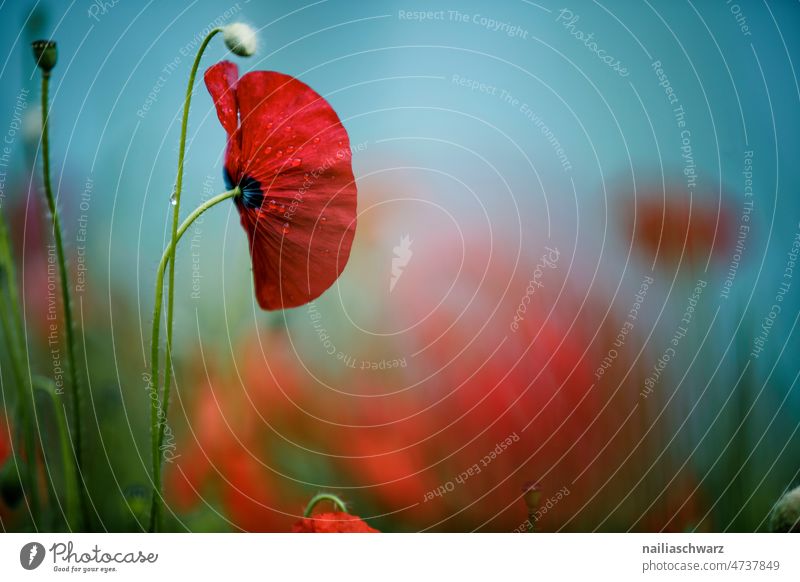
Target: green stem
{"points": [[77, 396], [324, 497], [176, 201], [13, 296], [71, 487], [158, 406], [157, 437], [177, 207], [14, 341]]}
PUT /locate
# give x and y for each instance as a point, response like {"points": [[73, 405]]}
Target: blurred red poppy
{"points": [[290, 155], [669, 226], [446, 442], [334, 522], [228, 456]]}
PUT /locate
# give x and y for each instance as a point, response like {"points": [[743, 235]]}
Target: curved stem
{"points": [[324, 497], [158, 405], [155, 513], [77, 396], [176, 209], [177, 205]]}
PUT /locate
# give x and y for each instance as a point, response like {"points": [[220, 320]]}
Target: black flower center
{"points": [[252, 194]]}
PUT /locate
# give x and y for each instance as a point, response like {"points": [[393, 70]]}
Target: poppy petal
{"points": [[221, 83], [300, 213]]}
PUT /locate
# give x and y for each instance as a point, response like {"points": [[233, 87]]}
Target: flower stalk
{"points": [[71, 498], [14, 336], [156, 423], [158, 405], [46, 57], [241, 40]]}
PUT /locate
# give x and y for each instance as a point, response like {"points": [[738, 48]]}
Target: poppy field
{"points": [[399, 267]]}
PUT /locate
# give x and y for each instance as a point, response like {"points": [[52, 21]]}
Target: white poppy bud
{"points": [[240, 38]]}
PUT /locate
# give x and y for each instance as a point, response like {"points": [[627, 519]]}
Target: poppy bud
{"points": [[11, 491], [240, 39], [785, 516], [45, 53]]}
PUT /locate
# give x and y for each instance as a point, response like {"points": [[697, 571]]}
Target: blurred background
{"points": [[593, 212]]}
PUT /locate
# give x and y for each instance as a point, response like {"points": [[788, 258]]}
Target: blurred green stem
{"points": [[77, 396], [45, 385], [158, 406], [14, 334]]}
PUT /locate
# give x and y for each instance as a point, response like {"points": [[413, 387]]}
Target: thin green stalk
{"points": [[338, 503], [176, 212], [77, 396], [71, 487], [15, 337], [13, 296], [176, 203], [8, 289], [158, 406], [24, 402]]}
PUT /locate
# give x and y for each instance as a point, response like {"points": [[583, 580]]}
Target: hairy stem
{"points": [[158, 405], [176, 201], [77, 396]]}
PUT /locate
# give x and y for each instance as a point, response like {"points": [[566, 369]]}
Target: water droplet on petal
{"points": [[279, 153], [296, 162], [316, 140], [324, 219], [285, 227], [268, 150], [272, 206], [269, 125], [288, 128]]}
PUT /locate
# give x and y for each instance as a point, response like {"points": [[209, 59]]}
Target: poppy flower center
{"points": [[252, 194]]}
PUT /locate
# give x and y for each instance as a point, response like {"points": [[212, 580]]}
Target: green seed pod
{"points": [[45, 53]]}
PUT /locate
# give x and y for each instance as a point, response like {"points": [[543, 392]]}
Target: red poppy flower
{"points": [[334, 522], [290, 155], [672, 227]]}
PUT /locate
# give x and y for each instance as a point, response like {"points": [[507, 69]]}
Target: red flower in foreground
{"points": [[290, 155], [334, 522]]}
